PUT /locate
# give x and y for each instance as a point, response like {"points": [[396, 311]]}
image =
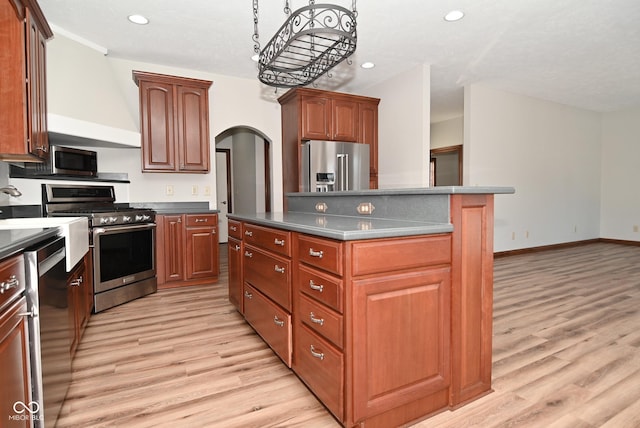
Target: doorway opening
{"points": [[243, 174]]}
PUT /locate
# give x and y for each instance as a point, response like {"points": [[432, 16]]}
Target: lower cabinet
{"points": [[15, 376], [80, 300], [187, 249], [365, 324], [234, 248]]}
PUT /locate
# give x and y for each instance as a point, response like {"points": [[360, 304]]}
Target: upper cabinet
{"points": [[312, 114], [23, 104], [174, 123]]}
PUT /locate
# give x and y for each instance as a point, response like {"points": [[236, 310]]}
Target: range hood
{"points": [[66, 131]]}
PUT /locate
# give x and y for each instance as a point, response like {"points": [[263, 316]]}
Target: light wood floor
{"points": [[566, 353]]}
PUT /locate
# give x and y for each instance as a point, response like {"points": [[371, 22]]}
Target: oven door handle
{"points": [[102, 230]]}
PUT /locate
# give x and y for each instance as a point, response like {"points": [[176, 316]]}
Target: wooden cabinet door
{"points": [[173, 241], [76, 303], [235, 273], [202, 252], [344, 120], [316, 117], [401, 339], [15, 376], [37, 90], [368, 134], [157, 126], [193, 128]]}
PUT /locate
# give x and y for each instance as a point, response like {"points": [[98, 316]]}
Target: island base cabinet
{"points": [[401, 342], [270, 321]]}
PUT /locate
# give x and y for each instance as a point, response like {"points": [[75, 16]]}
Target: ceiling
{"points": [[583, 53]]}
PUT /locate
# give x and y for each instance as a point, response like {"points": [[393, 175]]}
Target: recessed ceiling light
{"points": [[138, 19], [255, 57], [454, 15], [367, 65]]}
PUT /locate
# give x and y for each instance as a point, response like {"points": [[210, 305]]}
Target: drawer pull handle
{"points": [[236, 247], [248, 233], [76, 282], [278, 322], [314, 253], [280, 242], [8, 284], [278, 269], [202, 220], [248, 254], [248, 295], [316, 320], [314, 286], [319, 355], [233, 228]]}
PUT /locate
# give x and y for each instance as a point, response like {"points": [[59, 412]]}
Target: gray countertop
{"points": [[16, 240], [344, 228]]}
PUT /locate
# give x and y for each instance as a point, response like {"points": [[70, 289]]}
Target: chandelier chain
{"points": [[256, 37]]}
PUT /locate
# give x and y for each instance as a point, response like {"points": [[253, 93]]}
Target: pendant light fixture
{"points": [[312, 40]]}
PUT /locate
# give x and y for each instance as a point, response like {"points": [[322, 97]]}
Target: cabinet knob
{"points": [[233, 228], [315, 320], [278, 269], [314, 286], [317, 354], [248, 254], [278, 321], [314, 253], [236, 248], [248, 233], [10, 283]]}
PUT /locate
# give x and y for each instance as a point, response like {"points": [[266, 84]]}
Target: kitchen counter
{"points": [[344, 228], [16, 240], [176, 208]]}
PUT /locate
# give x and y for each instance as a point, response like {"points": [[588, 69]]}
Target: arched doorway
{"points": [[243, 173]]}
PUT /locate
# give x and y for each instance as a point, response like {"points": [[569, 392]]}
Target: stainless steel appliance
{"points": [[334, 166], [49, 332], [121, 240], [67, 161]]}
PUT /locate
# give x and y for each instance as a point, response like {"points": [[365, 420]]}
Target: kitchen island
{"points": [[380, 301]]}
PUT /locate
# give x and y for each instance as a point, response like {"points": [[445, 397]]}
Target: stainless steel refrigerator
{"points": [[334, 166]]}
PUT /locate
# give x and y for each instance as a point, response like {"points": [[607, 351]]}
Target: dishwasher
{"points": [[49, 331]]}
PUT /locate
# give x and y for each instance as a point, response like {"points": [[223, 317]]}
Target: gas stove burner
{"points": [[95, 202]]}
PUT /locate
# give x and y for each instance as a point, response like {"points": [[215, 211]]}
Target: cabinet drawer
{"points": [[278, 241], [269, 273], [12, 279], [321, 286], [200, 220], [322, 253], [378, 256], [235, 229], [270, 321], [321, 319], [321, 367]]}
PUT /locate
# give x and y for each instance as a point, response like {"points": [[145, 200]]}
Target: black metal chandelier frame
{"points": [[312, 40]]}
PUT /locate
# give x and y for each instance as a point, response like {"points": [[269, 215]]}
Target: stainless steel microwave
{"points": [[66, 161]]}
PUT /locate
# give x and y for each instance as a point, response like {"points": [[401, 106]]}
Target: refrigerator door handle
{"points": [[343, 171]]}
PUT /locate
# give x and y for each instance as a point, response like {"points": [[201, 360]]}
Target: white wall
{"points": [[549, 152], [86, 85], [403, 129], [620, 210], [447, 133]]}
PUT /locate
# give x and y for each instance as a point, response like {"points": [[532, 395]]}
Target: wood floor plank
{"points": [[566, 354]]}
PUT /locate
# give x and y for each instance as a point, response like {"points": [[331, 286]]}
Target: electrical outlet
{"points": [[169, 190], [513, 236], [194, 190], [635, 228], [207, 190], [526, 234]]}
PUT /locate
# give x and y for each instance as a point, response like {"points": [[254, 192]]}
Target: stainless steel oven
{"points": [[123, 263], [122, 240]]}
